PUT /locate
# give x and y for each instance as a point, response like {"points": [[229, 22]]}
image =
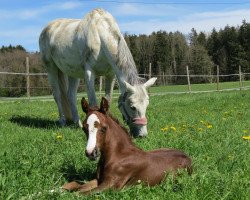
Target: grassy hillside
{"points": [[38, 156]]}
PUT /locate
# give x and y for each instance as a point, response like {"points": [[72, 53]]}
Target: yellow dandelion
{"points": [[245, 131], [164, 129], [246, 137], [209, 126], [59, 136], [173, 128]]}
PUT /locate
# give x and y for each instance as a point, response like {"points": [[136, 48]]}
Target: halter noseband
{"points": [[126, 117]]}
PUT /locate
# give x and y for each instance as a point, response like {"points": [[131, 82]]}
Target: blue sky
{"points": [[21, 21]]}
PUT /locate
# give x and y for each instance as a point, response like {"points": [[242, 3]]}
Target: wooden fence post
{"points": [[112, 89], [218, 78], [28, 77], [149, 71], [188, 79], [100, 86], [240, 76]]}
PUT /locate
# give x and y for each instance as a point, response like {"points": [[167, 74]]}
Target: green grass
{"points": [[209, 127], [198, 87]]}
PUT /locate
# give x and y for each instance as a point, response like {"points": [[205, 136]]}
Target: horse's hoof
{"points": [[62, 122]]}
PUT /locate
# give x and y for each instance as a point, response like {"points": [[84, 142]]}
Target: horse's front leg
{"points": [[90, 87], [72, 97]]}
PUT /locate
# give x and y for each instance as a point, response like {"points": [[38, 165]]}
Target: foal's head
{"points": [[94, 127]]}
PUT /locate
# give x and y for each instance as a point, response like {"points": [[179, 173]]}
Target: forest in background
{"points": [[168, 52]]}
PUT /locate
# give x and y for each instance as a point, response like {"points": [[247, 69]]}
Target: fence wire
{"points": [[162, 81]]}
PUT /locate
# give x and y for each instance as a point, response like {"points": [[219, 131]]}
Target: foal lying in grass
{"points": [[121, 162]]}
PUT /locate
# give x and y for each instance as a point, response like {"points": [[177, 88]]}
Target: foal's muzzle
{"points": [[93, 155]]}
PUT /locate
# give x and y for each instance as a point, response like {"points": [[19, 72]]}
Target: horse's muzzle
{"points": [[140, 121], [93, 155]]}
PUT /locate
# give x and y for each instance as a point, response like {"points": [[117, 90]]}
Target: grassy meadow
{"points": [[38, 156]]}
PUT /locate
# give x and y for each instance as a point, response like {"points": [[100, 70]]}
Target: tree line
{"points": [[168, 52]]}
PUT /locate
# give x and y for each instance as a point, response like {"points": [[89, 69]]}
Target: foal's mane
{"points": [[121, 125]]}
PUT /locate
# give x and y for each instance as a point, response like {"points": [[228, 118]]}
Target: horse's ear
{"points": [[85, 105], [104, 106], [150, 82], [129, 87]]}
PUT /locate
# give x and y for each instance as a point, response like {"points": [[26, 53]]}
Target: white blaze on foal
{"points": [[92, 133]]}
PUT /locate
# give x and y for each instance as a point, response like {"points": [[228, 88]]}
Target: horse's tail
{"points": [[63, 86]]}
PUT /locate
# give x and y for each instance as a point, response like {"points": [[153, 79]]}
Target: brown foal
{"points": [[121, 162]]}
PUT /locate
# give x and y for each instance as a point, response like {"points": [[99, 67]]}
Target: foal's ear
{"points": [[85, 105], [104, 106]]}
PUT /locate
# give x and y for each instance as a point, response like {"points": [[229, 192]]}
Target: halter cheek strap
{"points": [[126, 116]]}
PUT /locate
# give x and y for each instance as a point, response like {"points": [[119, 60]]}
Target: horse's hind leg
{"points": [[109, 85], [72, 96], [90, 86]]}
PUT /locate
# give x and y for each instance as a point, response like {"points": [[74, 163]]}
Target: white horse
{"points": [[83, 48]]}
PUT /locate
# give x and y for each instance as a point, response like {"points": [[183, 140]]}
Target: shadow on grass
{"points": [[35, 122], [70, 173]]}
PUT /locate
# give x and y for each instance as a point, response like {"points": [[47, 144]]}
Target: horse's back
{"points": [[71, 43]]}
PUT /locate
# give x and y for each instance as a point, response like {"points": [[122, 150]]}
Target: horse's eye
{"points": [[132, 107]]}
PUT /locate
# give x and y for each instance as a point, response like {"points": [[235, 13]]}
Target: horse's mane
{"points": [[127, 63]]}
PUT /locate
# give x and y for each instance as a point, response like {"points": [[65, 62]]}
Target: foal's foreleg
{"points": [[103, 186], [88, 186], [74, 186]]}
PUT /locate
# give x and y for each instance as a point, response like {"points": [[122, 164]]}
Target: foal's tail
{"points": [[63, 85]]}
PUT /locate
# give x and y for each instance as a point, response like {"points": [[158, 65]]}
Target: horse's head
{"points": [[94, 127], [133, 104]]}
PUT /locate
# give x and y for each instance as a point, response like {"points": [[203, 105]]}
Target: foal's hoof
{"points": [[72, 186]]}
